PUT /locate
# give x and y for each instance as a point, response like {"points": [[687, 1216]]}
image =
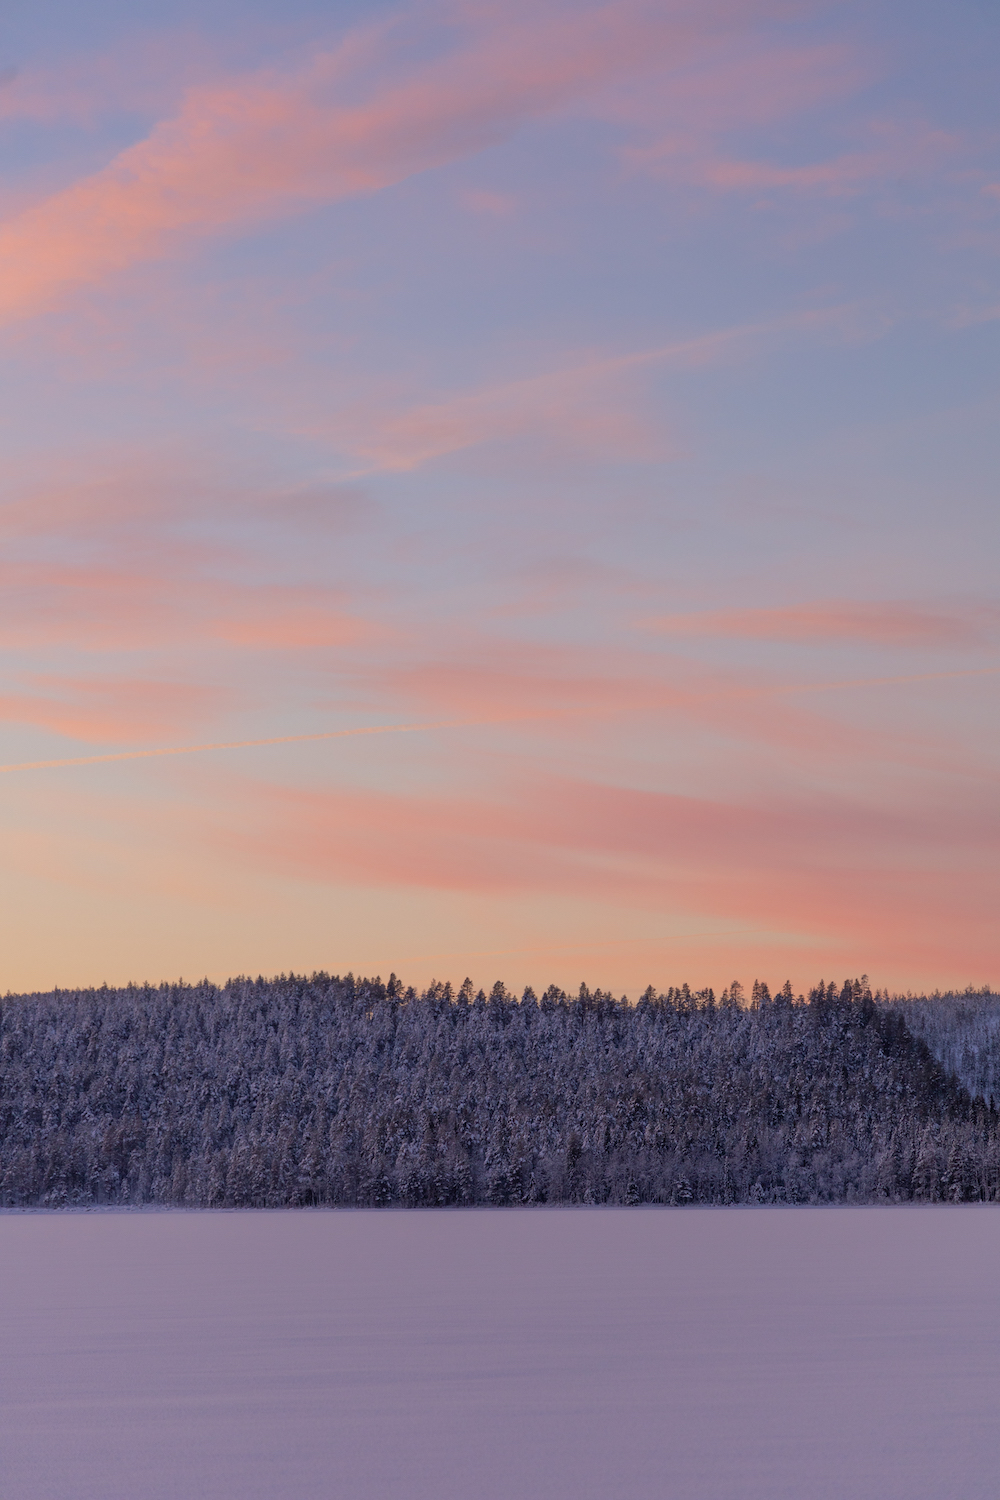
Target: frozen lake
{"points": [[730, 1354]]}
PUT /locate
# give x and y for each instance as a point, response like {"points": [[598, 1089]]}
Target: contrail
{"points": [[340, 734], [279, 739]]}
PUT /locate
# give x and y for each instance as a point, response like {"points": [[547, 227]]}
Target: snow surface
{"points": [[728, 1354]]}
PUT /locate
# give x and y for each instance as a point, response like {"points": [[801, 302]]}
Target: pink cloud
{"points": [[832, 726], [109, 710], [733, 88], [253, 146], [799, 884], [893, 151], [287, 619], [118, 497], [826, 872], [113, 563], [589, 405], [872, 624], [581, 405], [92, 607], [121, 607], [565, 684]]}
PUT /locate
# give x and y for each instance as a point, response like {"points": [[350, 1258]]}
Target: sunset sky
{"points": [[601, 402]]}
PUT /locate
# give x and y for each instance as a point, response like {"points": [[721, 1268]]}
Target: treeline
{"points": [[321, 1090]]}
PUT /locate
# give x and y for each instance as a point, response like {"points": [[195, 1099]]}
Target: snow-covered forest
{"points": [[963, 1033], [299, 1091]]}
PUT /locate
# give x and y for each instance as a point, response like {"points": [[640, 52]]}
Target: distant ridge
{"points": [[298, 1091]]}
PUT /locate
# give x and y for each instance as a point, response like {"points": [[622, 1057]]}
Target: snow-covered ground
{"points": [[617, 1354]]}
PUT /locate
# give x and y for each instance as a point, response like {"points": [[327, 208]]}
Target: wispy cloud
{"points": [[119, 606], [109, 710], [806, 725], [589, 404], [426, 461], [836, 622], [893, 151], [247, 148], [830, 870], [696, 130]]}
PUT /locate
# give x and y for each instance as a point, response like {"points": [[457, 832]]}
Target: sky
{"points": [[539, 465]]}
